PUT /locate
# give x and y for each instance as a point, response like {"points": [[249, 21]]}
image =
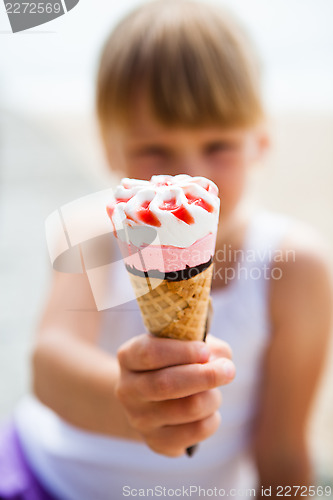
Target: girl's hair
{"points": [[191, 60]]}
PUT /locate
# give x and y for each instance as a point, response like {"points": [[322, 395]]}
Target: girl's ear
{"points": [[263, 141]]}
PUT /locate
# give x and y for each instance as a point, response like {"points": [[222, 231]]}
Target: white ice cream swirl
{"points": [[182, 209]]}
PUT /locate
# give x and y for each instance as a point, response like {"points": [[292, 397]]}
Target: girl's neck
{"points": [[232, 228], [231, 236]]}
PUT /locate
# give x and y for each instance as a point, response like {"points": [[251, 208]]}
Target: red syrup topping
{"points": [[178, 211], [146, 216], [163, 183], [110, 210], [145, 204], [123, 200], [183, 214], [200, 202], [169, 204], [129, 217]]}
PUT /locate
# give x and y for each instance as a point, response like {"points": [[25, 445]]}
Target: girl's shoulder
{"points": [[286, 235], [302, 258]]}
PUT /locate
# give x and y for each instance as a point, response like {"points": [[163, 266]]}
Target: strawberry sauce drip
{"points": [[183, 214], [200, 202], [145, 204], [110, 210], [178, 211], [169, 204], [123, 200], [163, 183], [146, 216]]}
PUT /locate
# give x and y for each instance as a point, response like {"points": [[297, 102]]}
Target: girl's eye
{"points": [[154, 152], [219, 147]]}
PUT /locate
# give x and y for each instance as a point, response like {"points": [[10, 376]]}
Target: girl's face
{"points": [[148, 148]]}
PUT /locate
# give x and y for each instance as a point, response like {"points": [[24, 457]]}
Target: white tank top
{"points": [[77, 465]]}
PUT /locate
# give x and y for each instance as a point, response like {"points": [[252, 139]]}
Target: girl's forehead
{"points": [[143, 125], [160, 133]]}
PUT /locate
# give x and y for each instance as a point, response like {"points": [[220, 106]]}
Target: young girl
{"points": [[115, 408]]}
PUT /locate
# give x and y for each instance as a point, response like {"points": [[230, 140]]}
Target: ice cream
{"points": [[166, 228], [182, 209]]}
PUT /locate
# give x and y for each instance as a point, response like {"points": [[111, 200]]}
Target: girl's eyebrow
{"points": [[147, 149], [221, 143]]}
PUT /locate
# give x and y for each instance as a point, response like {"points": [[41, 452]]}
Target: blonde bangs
{"points": [[192, 61]]}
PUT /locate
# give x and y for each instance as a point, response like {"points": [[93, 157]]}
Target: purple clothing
{"points": [[17, 482]]}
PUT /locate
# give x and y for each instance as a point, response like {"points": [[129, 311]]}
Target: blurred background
{"points": [[50, 153]]}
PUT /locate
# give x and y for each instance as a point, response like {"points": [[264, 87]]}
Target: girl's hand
{"points": [[169, 389]]}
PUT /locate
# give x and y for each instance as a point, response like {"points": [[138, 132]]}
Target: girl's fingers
{"points": [[146, 352], [181, 381], [173, 441], [218, 348], [185, 410]]}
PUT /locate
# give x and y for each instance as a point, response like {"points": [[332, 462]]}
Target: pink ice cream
{"points": [[182, 214], [167, 258]]}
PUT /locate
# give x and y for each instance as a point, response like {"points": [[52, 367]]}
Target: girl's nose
{"points": [[191, 164]]}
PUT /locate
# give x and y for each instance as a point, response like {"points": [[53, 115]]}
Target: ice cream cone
{"points": [[171, 267], [175, 309]]}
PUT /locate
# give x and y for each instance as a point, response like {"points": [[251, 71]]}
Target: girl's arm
{"points": [[71, 374], [301, 315], [140, 395]]}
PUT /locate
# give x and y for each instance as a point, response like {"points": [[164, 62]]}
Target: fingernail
{"points": [[204, 354], [229, 368]]}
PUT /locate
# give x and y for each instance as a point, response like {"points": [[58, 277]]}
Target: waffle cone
{"points": [[175, 309]]}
